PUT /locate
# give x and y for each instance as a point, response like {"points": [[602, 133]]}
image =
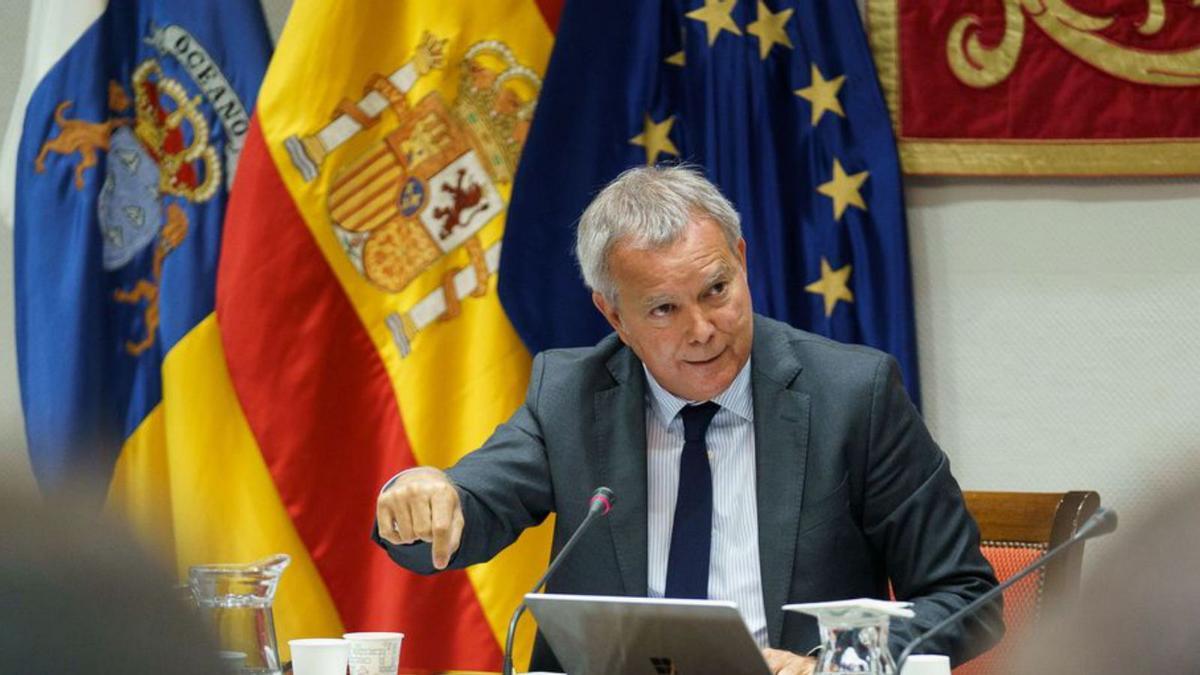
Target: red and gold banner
{"points": [[1041, 87]]}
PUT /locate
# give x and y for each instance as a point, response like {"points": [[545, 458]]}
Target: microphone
{"points": [[1102, 522], [600, 503]]}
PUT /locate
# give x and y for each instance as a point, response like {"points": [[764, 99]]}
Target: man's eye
{"points": [[719, 288], [662, 310]]}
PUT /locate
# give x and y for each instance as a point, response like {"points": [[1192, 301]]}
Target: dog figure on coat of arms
{"points": [[82, 136]]}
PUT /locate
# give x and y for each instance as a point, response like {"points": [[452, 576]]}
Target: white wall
{"points": [[1059, 331], [1058, 325], [14, 464]]}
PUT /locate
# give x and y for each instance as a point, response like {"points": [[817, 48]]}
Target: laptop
{"points": [[603, 635]]}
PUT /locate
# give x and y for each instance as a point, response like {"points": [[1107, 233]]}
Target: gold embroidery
{"points": [[1049, 158], [975, 157], [1156, 16], [976, 65], [1078, 33], [155, 123]]}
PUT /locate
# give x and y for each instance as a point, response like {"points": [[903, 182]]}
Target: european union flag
{"points": [[778, 101], [126, 152]]}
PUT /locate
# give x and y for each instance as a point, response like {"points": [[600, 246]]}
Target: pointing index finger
{"points": [[446, 525]]}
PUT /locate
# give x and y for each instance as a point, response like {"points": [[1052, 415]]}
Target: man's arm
{"points": [[429, 520], [915, 514]]}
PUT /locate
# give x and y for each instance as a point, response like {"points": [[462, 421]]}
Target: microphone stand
{"points": [[599, 505], [1102, 522]]}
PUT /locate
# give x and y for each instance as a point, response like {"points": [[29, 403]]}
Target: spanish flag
{"points": [[356, 305]]}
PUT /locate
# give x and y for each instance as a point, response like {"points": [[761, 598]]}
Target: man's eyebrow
{"points": [[721, 273], [656, 300]]}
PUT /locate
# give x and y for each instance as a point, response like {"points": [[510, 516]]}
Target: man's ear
{"points": [[609, 311]]}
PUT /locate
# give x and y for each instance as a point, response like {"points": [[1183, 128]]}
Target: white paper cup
{"points": [[374, 653], [319, 656], [927, 664]]}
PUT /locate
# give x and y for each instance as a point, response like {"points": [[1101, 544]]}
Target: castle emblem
{"points": [[429, 185]]}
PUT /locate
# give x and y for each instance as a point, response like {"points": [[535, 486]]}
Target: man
{"points": [[753, 462]]}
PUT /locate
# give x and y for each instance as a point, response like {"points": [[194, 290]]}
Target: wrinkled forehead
{"points": [[670, 270]]}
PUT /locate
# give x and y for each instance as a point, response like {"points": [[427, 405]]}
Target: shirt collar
{"points": [[736, 397]]}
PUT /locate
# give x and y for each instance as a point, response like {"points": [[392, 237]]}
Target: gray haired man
{"points": [[755, 462]]}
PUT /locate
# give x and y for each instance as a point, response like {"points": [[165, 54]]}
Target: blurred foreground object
{"points": [[77, 596], [1137, 611]]}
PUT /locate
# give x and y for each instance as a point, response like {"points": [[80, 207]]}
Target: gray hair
{"points": [[647, 207]]}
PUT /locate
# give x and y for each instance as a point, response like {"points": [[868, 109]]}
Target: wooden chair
{"points": [[1016, 528]]}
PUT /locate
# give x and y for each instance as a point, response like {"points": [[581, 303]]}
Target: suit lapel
{"points": [[621, 442], [781, 448]]}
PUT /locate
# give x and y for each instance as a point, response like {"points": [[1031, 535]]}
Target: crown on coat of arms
{"points": [[496, 99], [173, 130]]}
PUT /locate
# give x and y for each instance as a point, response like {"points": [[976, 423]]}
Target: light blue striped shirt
{"points": [[734, 573]]}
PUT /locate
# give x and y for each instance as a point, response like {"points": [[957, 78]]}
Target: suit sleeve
{"points": [[504, 487], [914, 512]]}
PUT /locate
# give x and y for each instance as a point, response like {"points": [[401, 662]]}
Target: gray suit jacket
{"points": [[852, 491]]}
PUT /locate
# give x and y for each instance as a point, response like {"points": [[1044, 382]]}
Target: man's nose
{"points": [[700, 327]]}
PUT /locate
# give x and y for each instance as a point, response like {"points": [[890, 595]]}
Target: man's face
{"points": [[684, 309]]}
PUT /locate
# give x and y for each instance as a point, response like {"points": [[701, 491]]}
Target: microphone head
{"points": [[1102, 522], [602, 500]]}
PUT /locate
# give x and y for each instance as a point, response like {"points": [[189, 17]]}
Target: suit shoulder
{"points": [[581, 356], [578, 364], [810, 346], [826, 362], [818, 346]]}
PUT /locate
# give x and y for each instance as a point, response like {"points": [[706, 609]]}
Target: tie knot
{"points": [[696, 419]]}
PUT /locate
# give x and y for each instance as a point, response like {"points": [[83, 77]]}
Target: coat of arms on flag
{"points": [[157, 140], [157, 146], [1029, 87], [430, 185]]}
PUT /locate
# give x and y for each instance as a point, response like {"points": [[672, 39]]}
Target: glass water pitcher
{"points": [[854, 634], [236, 601]]}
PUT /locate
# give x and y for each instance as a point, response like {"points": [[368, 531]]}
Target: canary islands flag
{"points": [[778, 102], [122, 147]]}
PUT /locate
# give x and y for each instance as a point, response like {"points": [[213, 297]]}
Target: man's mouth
{"points": [[705, 362]]}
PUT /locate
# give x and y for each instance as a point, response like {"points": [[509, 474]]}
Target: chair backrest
{"points": [[1015, 528]]}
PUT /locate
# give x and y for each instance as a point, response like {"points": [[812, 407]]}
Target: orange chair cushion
{"points": [[1022, 603]]}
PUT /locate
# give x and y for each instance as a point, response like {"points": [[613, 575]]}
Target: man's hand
{"points": [[786, 663], [422, 505]]}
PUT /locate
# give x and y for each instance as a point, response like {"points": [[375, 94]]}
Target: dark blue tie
{"points": [[691, 533]]}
